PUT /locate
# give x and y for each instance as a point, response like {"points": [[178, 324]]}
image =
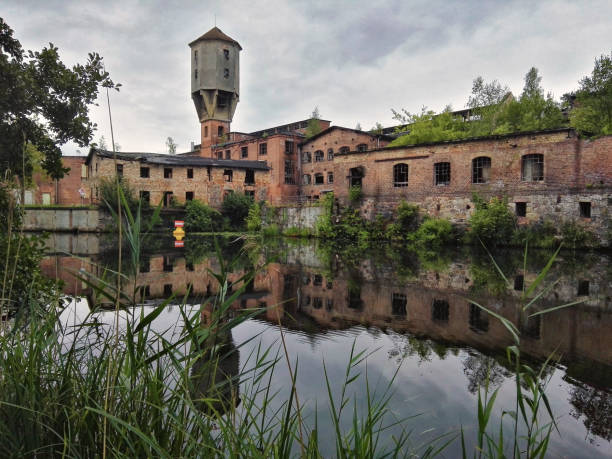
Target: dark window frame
{"points": [[400, 175], [145, 172], [442, 173], [263, 149], [189, 173], [244, 152], [319, 156], [532, 167], [330, 154], [289, 147], [319, 179], [330, 177], [228, 175], [306, 157], [167, 172], [481, 170]]}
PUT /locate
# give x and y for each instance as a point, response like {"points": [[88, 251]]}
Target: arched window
{"points": [[362, 147], [400, 175], [306, 179], [319, 156], [481, 169], [330, 154], [355, 176], [344, 149], [532, 168]]}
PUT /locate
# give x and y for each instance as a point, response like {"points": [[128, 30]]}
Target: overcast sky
{"points": [[354, 60]]}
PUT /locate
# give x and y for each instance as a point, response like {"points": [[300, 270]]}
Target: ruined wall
{"points": [[66, 190]]}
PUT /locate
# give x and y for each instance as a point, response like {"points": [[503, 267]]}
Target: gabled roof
{"points": [[357, 131], [178, 160], [215, 34]]}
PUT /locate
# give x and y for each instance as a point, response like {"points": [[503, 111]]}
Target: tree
{"points": [[484, 94], [171, 145], [44, 103], [314, 125], [102, 143], [592, 111]]}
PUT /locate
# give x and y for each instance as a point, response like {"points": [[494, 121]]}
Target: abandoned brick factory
{"points": [[554, 174]]}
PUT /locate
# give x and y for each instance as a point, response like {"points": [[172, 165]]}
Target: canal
{"points": [[412, 313]]}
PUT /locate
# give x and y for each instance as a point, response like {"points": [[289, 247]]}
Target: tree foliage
{"points": [[44, 103], [235, 208], [314, 124], [201, 218], [592, 111], [171, 145]]}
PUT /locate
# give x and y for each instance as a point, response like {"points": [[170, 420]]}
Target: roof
{"points": [[215, 34], [357, 131], [178, 160]]}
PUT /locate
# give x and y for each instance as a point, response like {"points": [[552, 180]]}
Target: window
{"points": [[330, 177], [228, 174], [144, 172], [189, 266], [249, 177], [46, 199], [228, 154], [226, 54], [479, 320], [317, 280], [263, 148], [317, 302], [209, 173], [220, 131], [400, 175], [205, 131], [519, 282], [167, 172], [167, 289], [145, 265], [244, 152], [330, 304], [220, 154], [532, 168], [330, 154], [585, 209], [398, 304], [145, 197], [531, 328], [583, 288], [120, 170], [306, 179], [319, 156], [306, 157], [481, 169], [168, 265], [190, 173], [289, 174], [521, 209], [344, 149], [354, 298], [195, 57], [167, 198], [250, 193], [362, 147], [439, 311], [83, 171], [355, 176], [189, 196], [288, 147], [442, 173], [319, 179], [226, 73]]}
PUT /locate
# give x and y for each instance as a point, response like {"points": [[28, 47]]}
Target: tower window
{"points": [[228, 175], [263, 148], [585, 209], [167, 172], [144, 172], [195, 57], [189, 196], [195, 74], [189, 173], [442, 173], [521, 209], [532, 168], [289, 180], [400, 175], [481, 169], [288, 147], [226, 54], [205, 131], [220, 131], [244, 152], [225, 73]]}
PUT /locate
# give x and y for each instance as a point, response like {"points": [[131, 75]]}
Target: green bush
{"points": [[355, 193], [576, 236], [434, 232], [492, 222], [235, 208], [406, 221], [253, 219], [540, 234], [108, 192], [201, 218], [270, 230], [294, 231]]}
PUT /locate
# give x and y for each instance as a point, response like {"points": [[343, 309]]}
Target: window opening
{"points": [[585, 209], [519, 282], [319, 156], [306, 157], [362, 147], [205, 131], [120, 170], [319, 180], [263, 149], [226, 73], [209, 172], [144, 172], [330, 304], [288, 147], [228, 175], [168, 265], [226, 54], [583, 288], [249, 177], [317, 280], [167, 198], [289, 180], [532, 169], [531, 327], [220, 154], [479, 320], [330, 177], [344, 149], [481, 169], [442, 173], [398, 304], [244, 152], [439, 311], [354, 298], [521, 209], [145, 197], [220, 131], [317, 302], [400, 175], [189, 196], [228, 154], [167, 289], [189, 173], [330, 154], [167, 172], [306, 179], [355, 176]]}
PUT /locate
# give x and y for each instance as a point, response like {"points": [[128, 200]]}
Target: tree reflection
{"points": [[596, 407], [479, 367]]}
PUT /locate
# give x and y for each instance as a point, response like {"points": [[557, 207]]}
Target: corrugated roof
{"points": [[215, 34], [179, 160]]}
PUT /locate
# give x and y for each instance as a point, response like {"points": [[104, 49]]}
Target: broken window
{"points": [[288, 147], [319, 156], [226, 73], [289, 180], [263, 149], [195, 57], [190, 173], [228, 175], [317, 302], [228, 154], [532, 168], [442, 173], [355, 176], [306, 179], [244, 152], [481, 169], [585, 209], [319, 180], [362, 147], [145, 197], [521, 209], [479, 320], [144, 172], [249, 177], [398, 304], [226, 54], [330, 154], [330, 177], [167, 198], [167, 172], [220, 131], [583, 288], [306, 157], [400, 175], [317, 280], [344, 149], [189, 196], [439, 311]]}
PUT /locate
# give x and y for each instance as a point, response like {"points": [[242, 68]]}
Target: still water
{"points": [[412, 311]]}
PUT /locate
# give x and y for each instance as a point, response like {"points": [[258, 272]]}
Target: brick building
{"points": [[64, 191]]}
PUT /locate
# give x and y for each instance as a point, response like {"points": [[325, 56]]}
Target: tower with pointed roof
{"points": [[215, 84]]}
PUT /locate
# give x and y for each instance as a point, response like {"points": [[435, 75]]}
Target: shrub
{"points": [[540, 234], [434, 232], [235, 208], [270, 230], [294, 231], [108, 192], [200, 217], [407, 221], [253, 219], [355, 193], [576, 236], [493, 223]]}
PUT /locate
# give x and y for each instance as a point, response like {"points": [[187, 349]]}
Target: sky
{"points": [[353, 59]]}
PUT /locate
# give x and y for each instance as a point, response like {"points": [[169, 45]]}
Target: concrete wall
{"points": [[294, 217], [48, 219]]}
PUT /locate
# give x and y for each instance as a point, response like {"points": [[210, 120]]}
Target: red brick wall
{"points": [[66, 190]]}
